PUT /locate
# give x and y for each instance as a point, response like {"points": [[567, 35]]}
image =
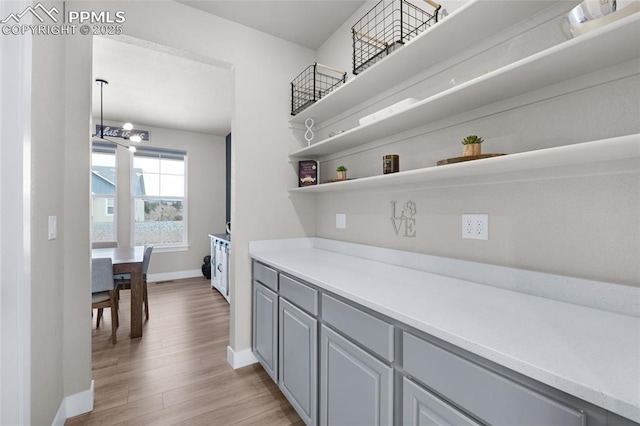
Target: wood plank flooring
{"points": [[177, 373]]}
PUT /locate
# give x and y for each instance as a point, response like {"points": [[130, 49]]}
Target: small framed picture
{"points": [[307, 173]]}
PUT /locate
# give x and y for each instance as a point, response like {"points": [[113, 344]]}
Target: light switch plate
{"points": [[341, 220], [53, 228]]}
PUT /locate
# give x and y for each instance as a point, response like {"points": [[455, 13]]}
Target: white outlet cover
{"points": [[341, 220], [475, 226], [53, 228]]}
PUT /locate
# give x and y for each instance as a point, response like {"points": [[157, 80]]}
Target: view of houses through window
{"points": [[103, 191], [158, 195], [158, 188]]}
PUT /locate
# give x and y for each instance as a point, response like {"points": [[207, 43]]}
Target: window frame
{"points": [[161, 247], [106, 148]]}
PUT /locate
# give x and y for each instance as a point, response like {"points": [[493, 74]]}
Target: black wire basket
{"points": [[312, 84], [389, 25]]}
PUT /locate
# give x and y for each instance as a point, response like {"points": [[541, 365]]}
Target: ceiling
{"points": [[156, 88], [152, 85], [308, 23]]}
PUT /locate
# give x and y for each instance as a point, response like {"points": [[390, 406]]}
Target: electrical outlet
{"points": [[341, 220], [475, 226]]}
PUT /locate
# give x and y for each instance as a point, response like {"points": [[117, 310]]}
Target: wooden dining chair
{"points": [[123, 281], [103, 292]]}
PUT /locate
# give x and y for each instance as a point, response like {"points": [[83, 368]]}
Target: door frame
{"points": [[15, 222]]}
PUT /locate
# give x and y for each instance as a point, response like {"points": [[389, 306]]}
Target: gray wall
{"points": [[585, 227]]}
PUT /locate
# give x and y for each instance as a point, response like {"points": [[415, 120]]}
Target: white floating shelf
{"points": [[437, 43], [607, 156], [611, 45]]}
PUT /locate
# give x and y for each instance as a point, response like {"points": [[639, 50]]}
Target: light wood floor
{"points": [[177, 372]]}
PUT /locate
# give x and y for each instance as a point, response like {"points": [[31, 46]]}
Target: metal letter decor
{"points": [[403, 223]]}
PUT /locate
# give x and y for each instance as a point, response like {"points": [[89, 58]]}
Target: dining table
{"points": [[128, 260]]}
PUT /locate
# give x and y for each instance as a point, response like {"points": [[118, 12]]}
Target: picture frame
{"points": [[308, 173]]}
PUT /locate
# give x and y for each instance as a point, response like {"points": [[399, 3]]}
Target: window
{"points": [[103, 192], [110, 206], [158, 190]]}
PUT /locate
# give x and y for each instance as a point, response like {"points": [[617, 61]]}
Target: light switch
{"points": [[53, 227]]}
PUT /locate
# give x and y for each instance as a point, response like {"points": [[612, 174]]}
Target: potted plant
{"points": [[342, 173], [471, 145]]}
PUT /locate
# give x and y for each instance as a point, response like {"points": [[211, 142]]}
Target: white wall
{"points": [[15, 224], [585, 227], [60, 268], [264, 67], [205, 194]]}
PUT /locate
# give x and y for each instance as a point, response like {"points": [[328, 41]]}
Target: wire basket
{"points": [[386, 27], [312, 84]]}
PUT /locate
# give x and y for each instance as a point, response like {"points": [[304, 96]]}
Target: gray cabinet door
{"points": [[421, 408], [298, 360], [265, 328], [355, 388]]}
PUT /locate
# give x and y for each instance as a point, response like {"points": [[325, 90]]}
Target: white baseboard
{"points": [[168, 276], [241, 358], [74, 405]]}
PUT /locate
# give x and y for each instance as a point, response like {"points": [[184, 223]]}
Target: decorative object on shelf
{"points": [[384, 112], [341, 173], [404, 221], [308, 135], [307, 173], [467, 158], [336, 133], [312, 84], [471, 145], [387, 26], [390, 163], [592, 14]]}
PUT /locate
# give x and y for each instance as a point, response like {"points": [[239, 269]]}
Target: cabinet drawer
{"points": [[266, 275], [299, 294], [366, 329], [489, 396]]}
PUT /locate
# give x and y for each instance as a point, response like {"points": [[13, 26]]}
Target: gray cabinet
{"points": [[492, 398], [355, 387], [349, 375], [265, 328], [422, 408], [298, 361]]}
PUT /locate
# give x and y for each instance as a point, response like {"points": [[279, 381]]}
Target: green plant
{"points": [[341, 169], [471, 139]]}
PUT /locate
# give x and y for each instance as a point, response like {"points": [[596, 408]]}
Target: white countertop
{"points": [[586, 352]]}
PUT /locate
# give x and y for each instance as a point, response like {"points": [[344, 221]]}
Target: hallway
{"points": [[177, 372]]}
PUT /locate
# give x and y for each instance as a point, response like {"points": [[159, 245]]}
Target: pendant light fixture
{"points": [[127, 126]]}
